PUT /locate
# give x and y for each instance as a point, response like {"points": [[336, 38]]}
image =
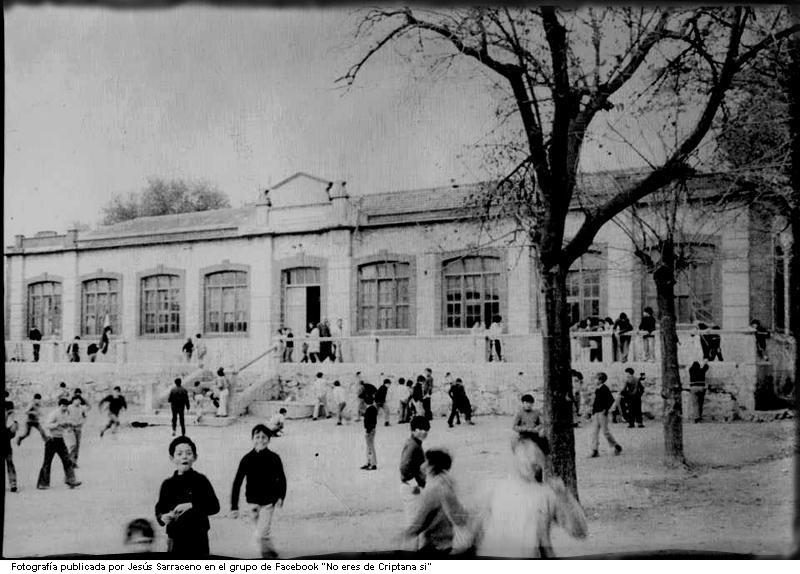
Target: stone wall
{"points": [[492, 388]]}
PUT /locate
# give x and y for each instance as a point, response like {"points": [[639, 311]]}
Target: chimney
{"points": [[340, 202]]}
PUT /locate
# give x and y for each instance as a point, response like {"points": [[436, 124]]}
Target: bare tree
{"points": [[669, 232], [561, 69], [162, 197]]}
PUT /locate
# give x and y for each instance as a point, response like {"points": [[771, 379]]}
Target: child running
{"points": [[77, 416], [116, 402], [265, 490], [32, 415], [523, 509], [340, 400], [439, 512], [185, 502]]}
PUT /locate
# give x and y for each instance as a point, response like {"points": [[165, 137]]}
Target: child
{"points": [[139, 536], [461, 403], [646, 328], [277, 422], [32, 414], [603, 401], [381, 400], [522, 509], [74, 350], [411, 460], [56, 424], [417, 395], [63, 392], [179, 402], [404, 396], [77, 417], [185, 502], [187, 350], [370, 422], [201, 350], [223, 393], [439, 511], [116, 402], [528, 419], [321, 397], [340, 400], [266, 488], [8, 433]]}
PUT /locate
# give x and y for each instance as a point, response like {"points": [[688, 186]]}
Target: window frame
{"points": [[181, 299], [394, 280], [714, 280], [223, 268], [594, 261], [500, 287], [116, 326], [57, 328]]}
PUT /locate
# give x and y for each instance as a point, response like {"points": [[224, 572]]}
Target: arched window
{"points": [[383, 301], [44, 307], [99, 306], [471, 291], [227, 304], [160, 305], [585, 287], [697, 288]]}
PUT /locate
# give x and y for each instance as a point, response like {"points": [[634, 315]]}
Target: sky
{"points": [[98, 101]]}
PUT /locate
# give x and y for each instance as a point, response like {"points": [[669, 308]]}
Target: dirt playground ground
{"points": [[737, 498]]}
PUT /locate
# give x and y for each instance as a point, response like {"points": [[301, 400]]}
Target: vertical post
{"points": [[377, 350], [607, 343]]}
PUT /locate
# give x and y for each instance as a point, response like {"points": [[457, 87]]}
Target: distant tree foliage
{"points": [[163, 197]]}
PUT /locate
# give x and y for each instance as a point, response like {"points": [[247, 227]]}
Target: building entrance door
{"points": [[301, 299]]}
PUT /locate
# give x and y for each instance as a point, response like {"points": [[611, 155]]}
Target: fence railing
{"points": [[606, 347], [593, 346]]}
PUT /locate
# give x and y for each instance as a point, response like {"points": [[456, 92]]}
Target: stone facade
{"points": [[308, 223]]}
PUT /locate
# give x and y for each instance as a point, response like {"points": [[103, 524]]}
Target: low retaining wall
{"points": [[493, 388]]}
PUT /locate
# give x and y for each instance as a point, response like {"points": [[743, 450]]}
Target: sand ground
{"points": [[737, 498]]}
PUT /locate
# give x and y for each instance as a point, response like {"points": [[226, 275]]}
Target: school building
{"points": [[407, 272]]}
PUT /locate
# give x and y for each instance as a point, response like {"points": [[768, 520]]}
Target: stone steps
{"points": [[294, 409]]}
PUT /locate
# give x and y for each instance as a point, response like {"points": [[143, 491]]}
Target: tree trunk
{"points": [[664, 278], [558, 409]]}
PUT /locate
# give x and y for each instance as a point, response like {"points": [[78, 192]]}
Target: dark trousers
{"points": [[75, 449], [28, 426], [36, 348], [464, 407], [12, 471], [634, 411], [55, 446], [189, 546], [426, 404], [177, 414]]}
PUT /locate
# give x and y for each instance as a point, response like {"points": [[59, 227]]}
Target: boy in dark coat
{"points": [[603, 401], [266, 487], [370, 422], [185, 502], [178, 402]]}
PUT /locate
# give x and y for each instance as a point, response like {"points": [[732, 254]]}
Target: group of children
{"points": [[515, 521], [61, 431]]}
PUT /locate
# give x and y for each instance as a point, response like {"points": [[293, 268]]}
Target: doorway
{"points": [[301, 299]]}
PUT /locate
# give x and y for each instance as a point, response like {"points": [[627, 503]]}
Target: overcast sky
{"points": [[97, 101]]}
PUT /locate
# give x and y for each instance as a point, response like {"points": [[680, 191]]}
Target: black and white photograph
{"points": [[421, 281]]}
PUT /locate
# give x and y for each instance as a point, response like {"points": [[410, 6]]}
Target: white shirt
{"points": [[339, 395], [496, 330], [313, 341], [519, 518]]}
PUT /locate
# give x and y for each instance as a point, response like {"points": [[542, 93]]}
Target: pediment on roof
{"points": [[300, 189]]}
